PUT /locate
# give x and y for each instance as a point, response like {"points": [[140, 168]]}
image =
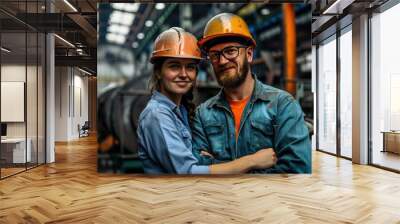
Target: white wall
{"points": [[13, 73], [71, 93], [80, 115], [61, 103]]}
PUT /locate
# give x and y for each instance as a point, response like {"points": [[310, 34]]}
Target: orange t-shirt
{"points": [[237, 107]]}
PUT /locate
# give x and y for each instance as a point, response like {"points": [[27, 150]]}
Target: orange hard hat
{"points": [[175, 43], [226, 25]]}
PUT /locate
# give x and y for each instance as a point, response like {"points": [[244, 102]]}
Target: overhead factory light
{"points": [[70, 5], [135, 44], [140, 36], [127, 19], [116, 38], [160, 6], [119, 17], [65, 41], [265, 12], [128, 7], [116, 17], [114, 28], [132, 7], [148, 23], [118, 6], [5, 49]]}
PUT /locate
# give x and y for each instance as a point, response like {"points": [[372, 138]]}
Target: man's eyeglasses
{"points": [[229, 53]]}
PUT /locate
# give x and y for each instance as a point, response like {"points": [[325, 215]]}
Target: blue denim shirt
{"points": [[164, 139], [271, 119]]}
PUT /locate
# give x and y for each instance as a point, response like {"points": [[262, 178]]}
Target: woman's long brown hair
{"points": [[187, 98]]}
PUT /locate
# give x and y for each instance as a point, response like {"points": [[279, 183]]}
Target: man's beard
{"points": [[237, 80]]}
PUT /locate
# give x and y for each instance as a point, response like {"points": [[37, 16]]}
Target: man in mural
{"points": [[246, 116]]}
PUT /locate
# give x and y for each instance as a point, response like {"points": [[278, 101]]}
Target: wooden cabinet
{"points": [[391, 142]]}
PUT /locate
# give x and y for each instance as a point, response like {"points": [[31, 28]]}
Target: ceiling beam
{"points": [[83, 61]]}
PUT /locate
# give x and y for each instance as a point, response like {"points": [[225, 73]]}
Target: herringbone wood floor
{"points": [[71, 191]]}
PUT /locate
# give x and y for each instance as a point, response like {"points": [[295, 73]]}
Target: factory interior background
{"points": [[124, 69]]}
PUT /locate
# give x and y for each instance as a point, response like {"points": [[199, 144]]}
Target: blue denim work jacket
{"points": [[271, 119], [164, 139]]}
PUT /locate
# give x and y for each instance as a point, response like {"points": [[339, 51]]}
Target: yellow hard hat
{"points": [[225, 25], [176, 43]]}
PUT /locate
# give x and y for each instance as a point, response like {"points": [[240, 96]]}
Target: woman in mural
{"points": [[164, 135]]}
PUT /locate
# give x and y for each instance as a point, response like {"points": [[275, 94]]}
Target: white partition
{"points": [[12, 101]]}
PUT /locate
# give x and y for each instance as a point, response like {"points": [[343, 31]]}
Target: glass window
{"points": [[346, 93], [327, 96], [22, 90], [15, 150], [385, 88]]}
